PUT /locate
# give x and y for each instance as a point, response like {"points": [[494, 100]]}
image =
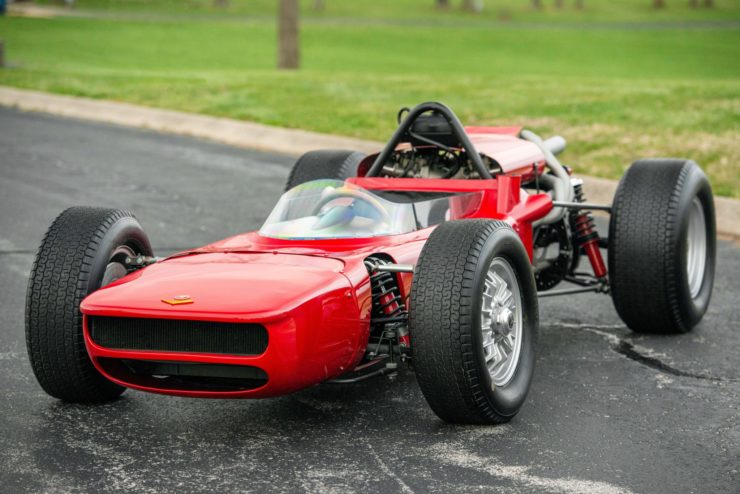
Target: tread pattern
{"points": [[644, 249], [325, 163], [60, 279], [441, 315]]}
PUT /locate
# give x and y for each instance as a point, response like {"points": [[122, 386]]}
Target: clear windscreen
{"points": [[335, 209]]}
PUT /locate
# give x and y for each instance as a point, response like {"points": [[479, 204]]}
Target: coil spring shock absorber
{"points": [[585, 232], [387, 301]]}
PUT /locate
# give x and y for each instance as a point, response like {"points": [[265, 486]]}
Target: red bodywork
{"points": [[312, 296]]}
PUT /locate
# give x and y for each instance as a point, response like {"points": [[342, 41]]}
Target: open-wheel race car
{"points": [[432, 252]]}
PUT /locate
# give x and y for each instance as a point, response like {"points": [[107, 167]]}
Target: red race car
{"points": [[432, 252]]}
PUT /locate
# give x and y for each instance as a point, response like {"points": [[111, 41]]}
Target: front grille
{"points": [[172, 335]]}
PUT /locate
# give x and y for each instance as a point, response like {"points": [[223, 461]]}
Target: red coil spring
{"points": [[586, 235], [387, 301]]}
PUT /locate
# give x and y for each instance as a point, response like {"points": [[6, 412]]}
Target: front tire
{"points": [[662, 246], [83, 250], [473, 300]]}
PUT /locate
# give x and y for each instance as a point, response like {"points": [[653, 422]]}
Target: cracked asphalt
{"points": [[609, 411]]}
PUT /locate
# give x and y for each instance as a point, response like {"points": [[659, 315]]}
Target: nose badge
{"points": [[178, 300]]}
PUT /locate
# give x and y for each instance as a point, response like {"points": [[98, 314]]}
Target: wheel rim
{"points": [[696, 247], [501, 322], [116, 268]]}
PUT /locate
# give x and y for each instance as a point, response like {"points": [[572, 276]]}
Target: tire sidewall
{"points": [[505, 243], [125, 231], [696, 185]]}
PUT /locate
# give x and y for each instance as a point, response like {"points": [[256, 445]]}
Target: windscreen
{"points": [[323, 209]]}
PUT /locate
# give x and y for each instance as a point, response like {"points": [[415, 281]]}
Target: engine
{"points": [[432, 162]]}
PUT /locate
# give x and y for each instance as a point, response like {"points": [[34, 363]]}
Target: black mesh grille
{"points": [[171, 335]]}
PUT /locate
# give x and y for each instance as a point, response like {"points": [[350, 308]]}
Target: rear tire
{"points": [[82, 251], [325, 163], [453, 355], [662, 246]]}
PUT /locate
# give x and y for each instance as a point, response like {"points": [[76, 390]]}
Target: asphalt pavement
{"points": [[609, 411]]}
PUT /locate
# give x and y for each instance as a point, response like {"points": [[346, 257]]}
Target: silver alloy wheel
{"points": [[501, 321], [696, 247], [115, 268]]}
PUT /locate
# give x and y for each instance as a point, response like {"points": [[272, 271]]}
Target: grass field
{"points": [[499, 10], [617, 92]]}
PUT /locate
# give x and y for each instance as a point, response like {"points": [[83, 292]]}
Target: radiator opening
{"points": [[185, 376], [176, 335]]}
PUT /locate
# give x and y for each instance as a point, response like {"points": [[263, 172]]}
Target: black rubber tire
{"points": [[69, 265], [647, 246], [325, 163], [444, 322]]}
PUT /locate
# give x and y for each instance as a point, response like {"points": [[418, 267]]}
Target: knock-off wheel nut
{"points": [[504, 321]]}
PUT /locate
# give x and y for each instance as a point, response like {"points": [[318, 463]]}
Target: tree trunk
{"points": [[579, 4], [558, 4], [693, 3], [288, 50], [472, 5], [537, 4], [442, 4], [658, 4], [709, 3]]}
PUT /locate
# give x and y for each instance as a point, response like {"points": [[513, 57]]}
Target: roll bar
{"points": [[403, 130]]}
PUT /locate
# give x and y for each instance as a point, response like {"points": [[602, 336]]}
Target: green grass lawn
{"points": [[494, 10], [616, 93]]}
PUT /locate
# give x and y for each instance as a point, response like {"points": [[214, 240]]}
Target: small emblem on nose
{"points": [[178, 300]]}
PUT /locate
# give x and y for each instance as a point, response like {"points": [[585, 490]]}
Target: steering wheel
{"points": [[364, 205]]}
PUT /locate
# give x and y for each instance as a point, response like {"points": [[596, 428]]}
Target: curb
{"points": [[267, 138], [224, 130]]}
